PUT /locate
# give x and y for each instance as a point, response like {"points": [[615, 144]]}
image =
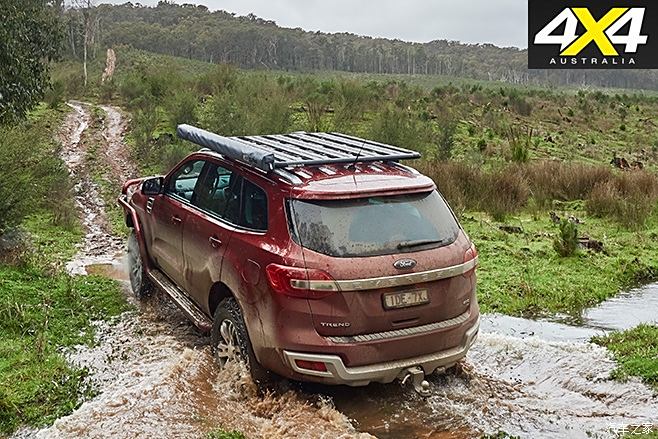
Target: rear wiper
{"points": [[417, 243]]}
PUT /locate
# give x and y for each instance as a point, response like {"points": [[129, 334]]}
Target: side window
{"points": [[218, 192], [182, 183], [254, 207]]}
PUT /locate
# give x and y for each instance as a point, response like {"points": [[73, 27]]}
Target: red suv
{"points": [[316, 256]]}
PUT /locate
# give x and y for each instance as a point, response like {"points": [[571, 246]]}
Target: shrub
{"points": [[628, 198], [144, 123], [520, 145], [54, 97], [566, 241], [552, 180], [171, 153], [350, 103], [396, 126], [519, 103], [107, 90], [182, 108], [445, 138], [33, 177], [497, 192], [503, 192]]}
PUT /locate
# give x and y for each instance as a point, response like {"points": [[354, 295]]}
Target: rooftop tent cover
{"points": [[228, 147]]}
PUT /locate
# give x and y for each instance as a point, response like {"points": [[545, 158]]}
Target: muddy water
{"points": [[155, 375], [157, 378], [531, 378]]}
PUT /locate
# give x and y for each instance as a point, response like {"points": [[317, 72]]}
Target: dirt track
{"points": [[156, 377], [153, 371]]}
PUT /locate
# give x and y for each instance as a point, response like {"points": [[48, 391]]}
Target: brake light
{"points": [[318, 366], [300, 282], [471, 253]]}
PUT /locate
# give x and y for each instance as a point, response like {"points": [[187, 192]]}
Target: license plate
{"points": [[405, 299]]}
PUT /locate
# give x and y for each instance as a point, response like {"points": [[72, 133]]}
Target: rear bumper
{"points": [[338, 373]]}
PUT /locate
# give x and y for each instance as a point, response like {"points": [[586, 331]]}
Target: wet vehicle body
{"points": [[315, 256]]}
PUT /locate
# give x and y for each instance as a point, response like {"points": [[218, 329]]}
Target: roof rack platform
{"points": [[277, 151]]}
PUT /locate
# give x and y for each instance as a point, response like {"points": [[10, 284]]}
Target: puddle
{"points": [[115, 269], [625, 311]]}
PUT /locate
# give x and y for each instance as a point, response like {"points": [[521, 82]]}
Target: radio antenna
{"points": [[358, 155]]}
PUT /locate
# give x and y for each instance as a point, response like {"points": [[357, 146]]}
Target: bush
{"points": [[629, 198], [182, 108], [54, 97], [144, 123], [350, 103], [396, 126], [497, 192], [552, 180], [566, 242], [445, 138], [33, 177], [519, 103], [503, 192]]}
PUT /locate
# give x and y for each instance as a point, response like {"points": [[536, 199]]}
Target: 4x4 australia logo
{"points": [[591, 34]]}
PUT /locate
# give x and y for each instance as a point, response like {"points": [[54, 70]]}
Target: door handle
{"points": [[176, 219], [215, 242]]}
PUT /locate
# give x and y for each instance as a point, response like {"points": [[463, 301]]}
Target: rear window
{"points": [[373, 226]]}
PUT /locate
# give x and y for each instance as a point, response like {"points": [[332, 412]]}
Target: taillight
{"points": [[469, 255], [300, 282]]}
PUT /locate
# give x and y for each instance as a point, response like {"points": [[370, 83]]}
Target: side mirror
{"points": [[153, 186]]}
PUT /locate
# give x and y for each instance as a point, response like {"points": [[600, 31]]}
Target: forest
{"points": [[251, 42]]}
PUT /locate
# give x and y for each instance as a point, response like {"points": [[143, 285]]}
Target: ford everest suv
{"points": [[316, 256]]}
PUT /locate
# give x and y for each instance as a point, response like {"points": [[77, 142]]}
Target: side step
{"points": [[182, 300]]}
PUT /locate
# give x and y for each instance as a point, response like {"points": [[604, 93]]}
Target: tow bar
{"points": [[417, 378]]}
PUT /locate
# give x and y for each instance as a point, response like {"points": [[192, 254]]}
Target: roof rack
{"points": [[296, 149]]}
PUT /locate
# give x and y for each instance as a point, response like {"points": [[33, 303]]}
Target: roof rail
{"points": [[270, 152]]}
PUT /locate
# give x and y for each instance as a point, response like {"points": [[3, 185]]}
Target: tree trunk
{"points": [[84, 57]]}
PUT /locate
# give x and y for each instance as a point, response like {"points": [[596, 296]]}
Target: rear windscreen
{"points": [[374, 225]]}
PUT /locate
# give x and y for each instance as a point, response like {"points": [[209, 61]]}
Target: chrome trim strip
{"points": [[338, 373], [402, 332], [398, 280]]}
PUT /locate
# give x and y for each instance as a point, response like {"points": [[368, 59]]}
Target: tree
{"points": [[30, 36], [90, 22]]}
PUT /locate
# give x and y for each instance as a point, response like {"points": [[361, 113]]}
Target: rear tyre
{"points": [[230, 341], [139, 282]]}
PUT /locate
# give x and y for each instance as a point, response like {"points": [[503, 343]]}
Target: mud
{"points": [[99, 245], [155, 375]]}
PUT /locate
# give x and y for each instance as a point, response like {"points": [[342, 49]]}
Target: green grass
{"points": [[653, 433], [53, 245], [521, 274], [43, 310], [636, 352], [223, 434], [40, 314]]}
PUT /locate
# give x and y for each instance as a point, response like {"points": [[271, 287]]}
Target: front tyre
{"points": [[139, 283], [230, 341]]}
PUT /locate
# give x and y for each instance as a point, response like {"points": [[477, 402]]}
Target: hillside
{"points": [[251, 42]]}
